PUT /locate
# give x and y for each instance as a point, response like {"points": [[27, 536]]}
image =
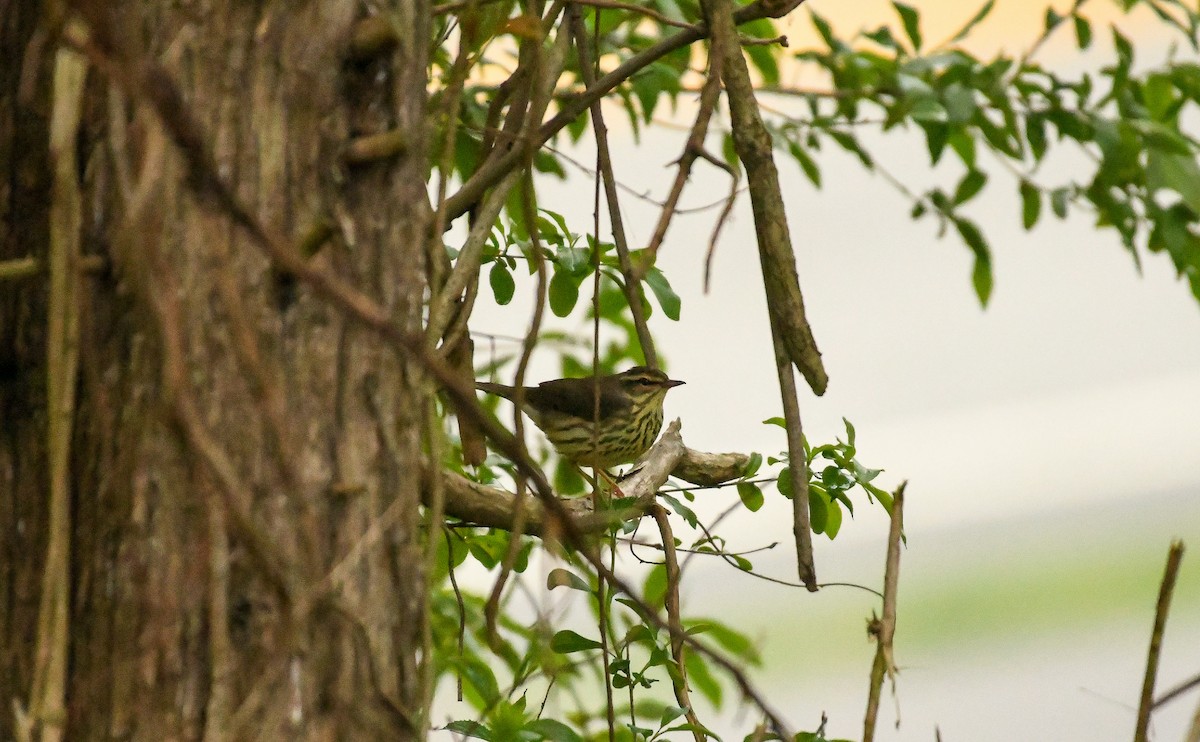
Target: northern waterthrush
{"points": [[630, 413]]}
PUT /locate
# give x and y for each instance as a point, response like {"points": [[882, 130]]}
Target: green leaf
{"points": [[1178, 173], [818, 509], [667, 298], [964, 145], [847, 142], [687, 513], [563, 293], [776, 421], [1083, 31], [1058, 202], [784, 482], [929, 110], [560, 577], [553, 730], [1031, 204], [971, 184], [824, 29], [959, 101], [806, 162], [503, 285], [654, 591], [701, 678], [912, 23], [752, 465], [1035, 134], [567, 641], [752, 496], [833, 521], [670, 714], [762, 57], [979, 16], [729, 639], [981, 275], [480, 677], [1123, 47], [469, 728], [1052, 19]]}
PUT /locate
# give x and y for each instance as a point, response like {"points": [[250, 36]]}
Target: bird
{"points": [[630, 413]]}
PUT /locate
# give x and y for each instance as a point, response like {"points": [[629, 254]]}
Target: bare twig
{"points": [[634, 8], [884, 628], [1177, 691], [1163, 606], [495, 169], [632, 286], [671, 603], [19, 268], [709, 95]]}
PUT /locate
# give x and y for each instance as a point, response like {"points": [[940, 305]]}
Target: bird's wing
{"points": [[570, 397]]}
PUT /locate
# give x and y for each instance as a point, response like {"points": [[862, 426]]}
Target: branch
{"points": [[754, 148], [48, 690], [493, 170], [1165, 591], [790, 334], [671, 603], [496, 508], [884, 629]]}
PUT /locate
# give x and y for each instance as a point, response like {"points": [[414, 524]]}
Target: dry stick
{"points": [[493, 170], [633, 286], [671, 603], [709, 95], [1165, 591], [884, 628], [1177, 691], [47, 692], [28, 267], [753, 145], [151, 83]]}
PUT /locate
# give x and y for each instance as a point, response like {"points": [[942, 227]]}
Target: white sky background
{"points": [[1074, 396]]}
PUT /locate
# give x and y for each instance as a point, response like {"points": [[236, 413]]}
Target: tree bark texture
{"points": [[206, 379]]}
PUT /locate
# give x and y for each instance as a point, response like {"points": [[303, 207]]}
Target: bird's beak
{"points": [[672, 382]]}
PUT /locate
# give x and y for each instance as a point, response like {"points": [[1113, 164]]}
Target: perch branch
{"points": [[494, 507]]}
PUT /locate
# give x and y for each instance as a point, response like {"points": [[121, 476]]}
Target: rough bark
{"points": [[177, 628]]}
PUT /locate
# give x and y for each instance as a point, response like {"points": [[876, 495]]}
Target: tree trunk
{"points": [[234, 441]]}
